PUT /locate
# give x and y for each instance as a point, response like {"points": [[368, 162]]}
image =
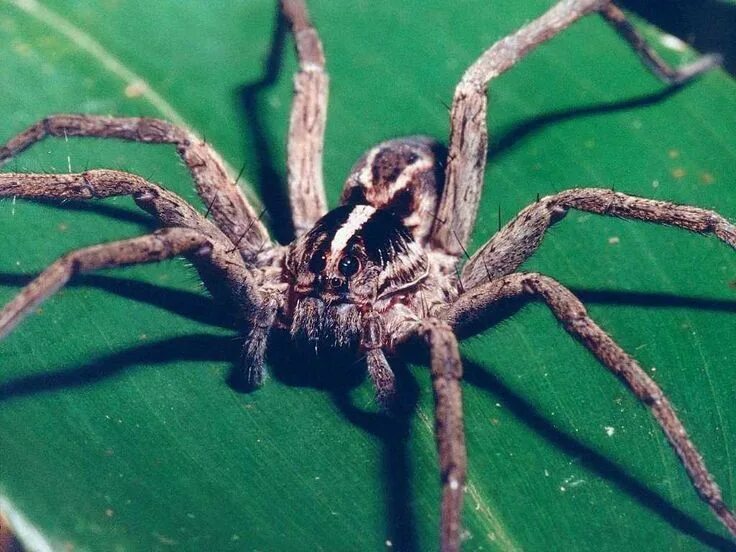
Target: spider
{"points": [[381, 270]]}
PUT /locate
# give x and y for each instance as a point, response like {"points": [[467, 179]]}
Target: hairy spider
{"points": [[382, 269]]}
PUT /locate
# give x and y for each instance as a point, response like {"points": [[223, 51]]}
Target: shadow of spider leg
{"points": [[471, 308]]}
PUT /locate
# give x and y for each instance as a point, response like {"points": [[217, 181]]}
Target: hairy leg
{"points": [[224, 199], [471, 308], [520, 238], [307, 122], [162, 244], [469, 136], [382, 376], [253, 355], [447, 371], [224, 272], [372, 338]]}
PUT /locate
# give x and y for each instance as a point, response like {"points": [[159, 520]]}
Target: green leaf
{"points": [[118, 429]]}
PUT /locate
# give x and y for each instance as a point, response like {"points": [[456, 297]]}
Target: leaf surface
{"points": [[118, 429]]}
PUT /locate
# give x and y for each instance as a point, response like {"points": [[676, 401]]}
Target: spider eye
{"points": [[348, 266], [317, 263]]}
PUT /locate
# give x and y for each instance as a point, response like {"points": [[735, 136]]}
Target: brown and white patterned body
{"points": [[379, 269], [364, 269]]}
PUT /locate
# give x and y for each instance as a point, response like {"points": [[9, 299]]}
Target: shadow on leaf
{"points": [[478, 376]]}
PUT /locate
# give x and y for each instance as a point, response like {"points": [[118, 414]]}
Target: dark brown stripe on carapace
{"points": [[377, 235], [382, 237], [387, 243]]}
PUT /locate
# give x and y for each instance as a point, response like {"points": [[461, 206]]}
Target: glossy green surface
{"points": [[118, 429]]}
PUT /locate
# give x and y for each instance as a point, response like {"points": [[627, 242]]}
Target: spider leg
{"points": [[224, 264], [469, 136], [307, 122], [447, 371], [224, 199], [162, 244], [518, 240], [252, 367], [670, 75], [381, 375], [371, 339], [471, 307]]}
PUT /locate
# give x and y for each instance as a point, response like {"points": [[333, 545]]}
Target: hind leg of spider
{"points": [[307, 121], [469, 136], [470, 309], [224, 200], [520, 238]]}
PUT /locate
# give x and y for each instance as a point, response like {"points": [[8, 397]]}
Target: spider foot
{"points": [[250, 373], [388, 401], [701, 65], [383, 378]]}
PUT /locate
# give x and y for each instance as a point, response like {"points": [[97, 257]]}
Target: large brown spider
{"points": [[380, 270]]}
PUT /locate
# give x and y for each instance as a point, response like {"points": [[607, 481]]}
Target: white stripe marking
{"points": [[365, 176], [357, 218], [408, 175]]}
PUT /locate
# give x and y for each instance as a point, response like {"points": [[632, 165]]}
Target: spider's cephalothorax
{"points": [[379, 270]]}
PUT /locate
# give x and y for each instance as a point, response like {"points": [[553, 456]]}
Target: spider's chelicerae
{"points": [[383, 268]]}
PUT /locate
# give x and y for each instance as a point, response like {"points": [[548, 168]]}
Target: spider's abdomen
{"points": [[402, 176]]}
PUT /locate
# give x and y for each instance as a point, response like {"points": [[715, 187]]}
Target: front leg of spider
{"points": [[252, 368]]}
